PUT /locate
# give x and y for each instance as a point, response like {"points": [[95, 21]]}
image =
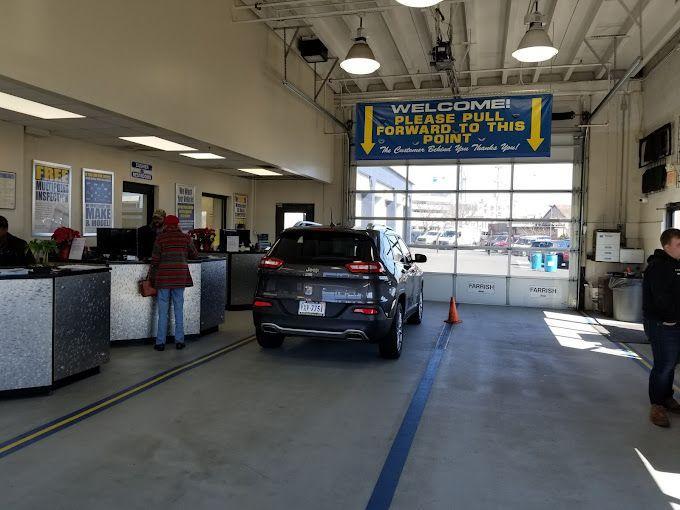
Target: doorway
{"points": [[214, 213], [288, 215], [138, 204]]}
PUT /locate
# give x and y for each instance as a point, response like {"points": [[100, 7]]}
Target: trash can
{"points": [[536, 261], [550, 262], [627, 298]]}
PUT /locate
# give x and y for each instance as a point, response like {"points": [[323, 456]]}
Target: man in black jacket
{"points": [[13, 251], [661, 306]]}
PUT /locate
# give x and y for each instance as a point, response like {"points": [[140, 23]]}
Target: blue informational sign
{"points": [[97, 200], [486, 127]]}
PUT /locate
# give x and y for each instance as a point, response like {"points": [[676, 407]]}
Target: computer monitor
{"points": [[243, 237], [117, 241]]}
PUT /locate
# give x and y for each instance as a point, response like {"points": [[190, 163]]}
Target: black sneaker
{"points": [[159, 347], [180, 345]]}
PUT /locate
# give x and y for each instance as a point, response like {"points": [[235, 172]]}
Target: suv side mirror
{"points": [[420, 258]]}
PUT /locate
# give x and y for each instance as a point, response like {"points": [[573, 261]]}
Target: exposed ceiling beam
{"points": [[589, 18], [549, 13], [631, 21]]}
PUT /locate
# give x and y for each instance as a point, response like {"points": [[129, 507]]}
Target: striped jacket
{"points": [[169, 268]]}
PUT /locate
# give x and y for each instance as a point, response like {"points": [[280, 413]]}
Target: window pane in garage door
{"points": [[380, 205], [484, 205], [436, 239], [380, 178], [543, 176], [485, 177], [433, 177], [544, 206], [542, 239], [481, 233], [482, 261], [432, 205]]}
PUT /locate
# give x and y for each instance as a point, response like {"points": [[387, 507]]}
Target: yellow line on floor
{"points": [[126, 394]]}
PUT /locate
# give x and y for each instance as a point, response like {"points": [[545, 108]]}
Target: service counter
{"points": [[134, 317], [53, 326]]}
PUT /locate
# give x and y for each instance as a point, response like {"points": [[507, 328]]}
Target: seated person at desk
{"points": [[146, 235], [13, 251]]}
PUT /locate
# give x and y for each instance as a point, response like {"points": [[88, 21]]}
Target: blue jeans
{"points": [[665, 342], [163, 308]]}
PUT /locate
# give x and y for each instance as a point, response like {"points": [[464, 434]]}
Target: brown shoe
{"points": [[659, 417], [672, 406]]}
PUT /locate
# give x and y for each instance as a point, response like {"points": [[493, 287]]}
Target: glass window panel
{"points": [[486, 262], [432, 205], [381, 178], [545, 206], [433, 177], [379, 205], [546, 176], [134, 209], [436, 240], [484, 205], [483, 234], [542, 239], [676, 220], [485, 177]]}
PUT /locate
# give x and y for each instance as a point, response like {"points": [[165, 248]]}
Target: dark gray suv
{"points": [[338, 282]]}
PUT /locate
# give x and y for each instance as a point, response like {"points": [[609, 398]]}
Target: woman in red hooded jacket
{"points": [[170, 275]]}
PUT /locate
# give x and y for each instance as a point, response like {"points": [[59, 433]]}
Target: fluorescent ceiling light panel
{"points": [[202, 155], [259, 171], [27, 107], [157, 143]]}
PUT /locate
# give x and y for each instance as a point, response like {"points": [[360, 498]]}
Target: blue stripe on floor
{"points": [[385, 487]]}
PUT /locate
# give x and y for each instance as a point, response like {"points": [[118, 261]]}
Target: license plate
{"points": [[312, 308]]}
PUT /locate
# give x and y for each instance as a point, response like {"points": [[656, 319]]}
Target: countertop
{"points": [[57, 273]]}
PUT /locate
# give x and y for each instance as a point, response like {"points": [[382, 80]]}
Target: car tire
{"points": [[269, 341], [390, 345], [417, 316]]}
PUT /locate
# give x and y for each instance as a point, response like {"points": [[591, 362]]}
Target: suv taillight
{"points": [[364, 267], [270, 263]]}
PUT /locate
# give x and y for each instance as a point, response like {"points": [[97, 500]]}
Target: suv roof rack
{"points": [[375, 226], [305, 223]]}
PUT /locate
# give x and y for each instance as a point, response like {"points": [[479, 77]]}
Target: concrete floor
{"points": [[529, 409]]}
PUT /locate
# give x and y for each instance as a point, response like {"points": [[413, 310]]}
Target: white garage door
{"points": [[494, 233]]}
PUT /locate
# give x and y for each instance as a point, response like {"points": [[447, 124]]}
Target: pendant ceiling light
{"points": [[360, 58], [419, 4], [536, 45]]}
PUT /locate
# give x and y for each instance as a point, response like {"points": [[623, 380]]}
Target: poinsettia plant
{"points": [[64, 236], [203, 238]]}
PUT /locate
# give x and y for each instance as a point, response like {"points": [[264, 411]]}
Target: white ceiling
{"points": [[103, 127], [485, 33]]}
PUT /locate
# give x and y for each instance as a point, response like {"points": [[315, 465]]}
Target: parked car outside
{"points": [[339, 283], [522, 245], [429, 237], [447, 238]]}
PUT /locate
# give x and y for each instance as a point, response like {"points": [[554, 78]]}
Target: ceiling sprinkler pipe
{"points": [[635, 66]]}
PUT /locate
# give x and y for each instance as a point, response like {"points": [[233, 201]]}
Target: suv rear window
{"points": [[313, 246]]}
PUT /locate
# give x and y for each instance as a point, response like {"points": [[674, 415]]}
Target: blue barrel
{"points": [[551, 262], [536, 261]]}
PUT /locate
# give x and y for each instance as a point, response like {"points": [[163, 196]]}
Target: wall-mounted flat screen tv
{"points": [[655, 146]]}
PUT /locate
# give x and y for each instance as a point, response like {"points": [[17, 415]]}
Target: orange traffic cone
{"points": [[453, 313]]}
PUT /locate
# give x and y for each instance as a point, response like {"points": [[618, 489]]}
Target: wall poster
{"points": [[51, 197], [185, 200], [8, 190], [97, 200], [240, 208]]}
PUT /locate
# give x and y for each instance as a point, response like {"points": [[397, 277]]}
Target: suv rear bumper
{"points": [[348, 326]]}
